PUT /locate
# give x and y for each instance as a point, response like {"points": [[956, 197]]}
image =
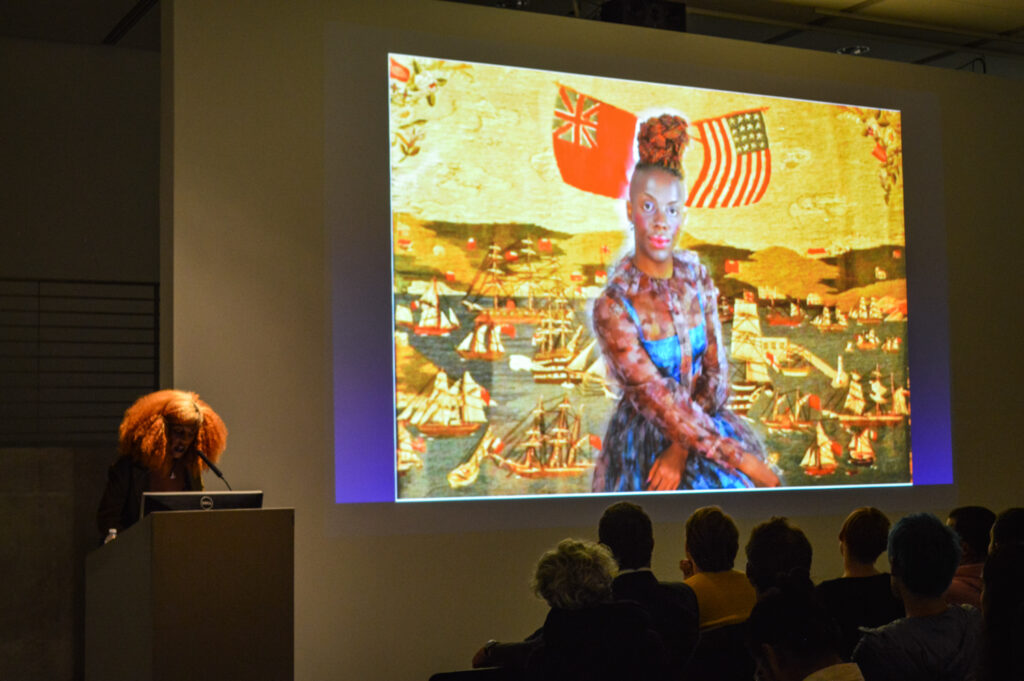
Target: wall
{"points": [[251, 325], [80, 161], [79, 200]]}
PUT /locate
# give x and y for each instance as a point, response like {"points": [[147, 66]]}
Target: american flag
{"points": [[737, 161]]}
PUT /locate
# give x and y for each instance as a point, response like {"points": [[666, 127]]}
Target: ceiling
{"points": [[981, 36]]}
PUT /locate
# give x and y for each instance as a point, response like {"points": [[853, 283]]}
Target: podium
{"points": [[193, 594]]}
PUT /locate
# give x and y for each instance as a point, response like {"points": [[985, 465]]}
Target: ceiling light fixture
{"points": [[855, 50]]}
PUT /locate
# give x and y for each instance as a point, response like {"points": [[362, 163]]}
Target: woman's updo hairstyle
{"points": [[660, 143]]}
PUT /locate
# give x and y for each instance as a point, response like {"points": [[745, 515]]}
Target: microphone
{"points": [[213, 467]]}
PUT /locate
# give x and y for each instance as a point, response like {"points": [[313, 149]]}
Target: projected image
{"points": [[614, 286]]}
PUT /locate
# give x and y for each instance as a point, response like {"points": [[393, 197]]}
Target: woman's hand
{"points": [[667, 471], [730, 455]]}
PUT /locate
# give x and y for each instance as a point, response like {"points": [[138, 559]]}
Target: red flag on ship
{"points": [[749, 296], [732, 266], [815, 402], [593, 143], [816, 251], [399, 72], [595, 442], [470, 244]]}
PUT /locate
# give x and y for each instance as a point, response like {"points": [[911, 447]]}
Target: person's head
{"points": [[574, 575], [777, 551], [171, 424], [657, 197], [712, 539], [626, 530], [1008, 528], [923, 555], [972, 524], [1002, 602], [864, 535], [790, 635]]}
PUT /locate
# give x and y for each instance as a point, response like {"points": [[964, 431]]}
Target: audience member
{"points": [[1008, 528], [793, 638], [972, 525], [626, 530], [1002, 602], [863, 596], [724, 595], [778, 551], [587, 635], [935, 640]]}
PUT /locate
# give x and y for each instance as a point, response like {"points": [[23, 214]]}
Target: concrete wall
{"points": [[245, 183]]}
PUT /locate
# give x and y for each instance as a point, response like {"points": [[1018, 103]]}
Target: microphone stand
{"points": [[213, 467]]}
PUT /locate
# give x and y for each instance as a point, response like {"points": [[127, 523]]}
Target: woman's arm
{"points": [[659, 399], [712, 386]]}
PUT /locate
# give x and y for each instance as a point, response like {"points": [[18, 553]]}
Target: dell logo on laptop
{"points": [[206, 502]]}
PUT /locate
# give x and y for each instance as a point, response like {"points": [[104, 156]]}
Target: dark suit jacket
{"points": [[673, 610], [121, 504]]}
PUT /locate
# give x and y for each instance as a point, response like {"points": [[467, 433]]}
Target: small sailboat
{"points": [[483, 343], [820, 459], [861, 452], [406, 452], [434, 321]]}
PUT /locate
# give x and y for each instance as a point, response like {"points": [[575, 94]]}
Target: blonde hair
{"points": [[575, 575], [143, 432]]}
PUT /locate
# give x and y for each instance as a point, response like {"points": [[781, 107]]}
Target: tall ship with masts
{"points": [[820, 457], [483, 342], [547, 443], [434, 320], [445, 409], [503, 282], [745, 347]]}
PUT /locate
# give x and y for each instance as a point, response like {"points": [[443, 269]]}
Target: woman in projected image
{"points": [[658, 327], [157, 445]]}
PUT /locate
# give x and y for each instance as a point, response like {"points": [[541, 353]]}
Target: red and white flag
{"points": [[593, 143], [737, 162]]}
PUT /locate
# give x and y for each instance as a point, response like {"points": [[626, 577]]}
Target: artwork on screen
{"points": [[525, 333]]}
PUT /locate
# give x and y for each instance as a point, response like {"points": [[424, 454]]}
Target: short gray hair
{"points": [[576, 574]]}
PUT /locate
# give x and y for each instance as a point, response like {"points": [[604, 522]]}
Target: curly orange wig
{"points": [[143, 432], [661, 142]]}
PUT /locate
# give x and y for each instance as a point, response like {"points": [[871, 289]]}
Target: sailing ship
{"points": [[892, 345], [498, 282], [855, 411], [794, 318], [483, 343], [861, 451], [867, 311], [407, 456], [745, 347], [820, 459], [446, 409], [825, 322], [547, 443], [434, 320], [550, 447], [789, 412], [868, 341]]}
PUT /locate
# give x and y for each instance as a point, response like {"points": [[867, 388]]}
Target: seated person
{"points": [[626, 530], [972, 524], [157, 446], [935, 640], [724, 595], [1008, 528], [793, 638], [863, 596], [587, 635], [778, 551], [1002, 603]]}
